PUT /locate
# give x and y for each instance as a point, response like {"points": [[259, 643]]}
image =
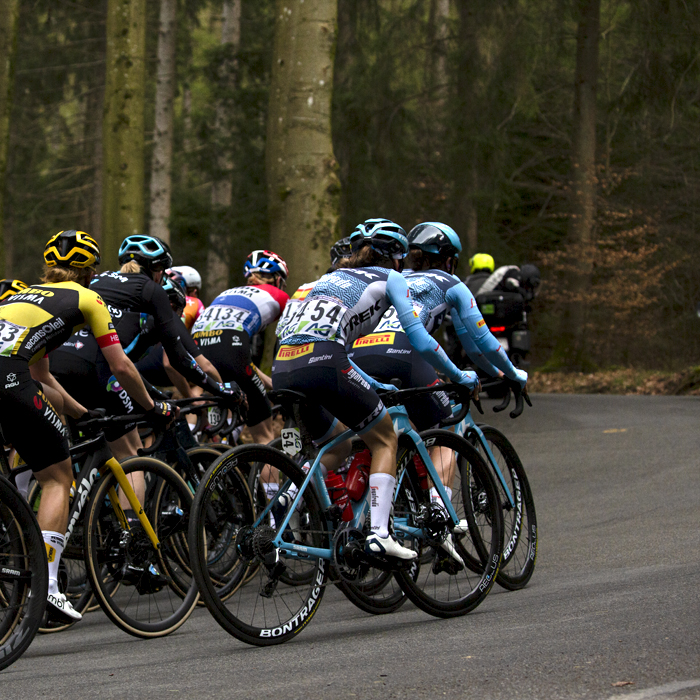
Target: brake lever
{"points": [[504, 404], [477, 403]]}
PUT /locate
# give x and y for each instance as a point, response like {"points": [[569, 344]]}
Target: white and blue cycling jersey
{"points": [[434, 293], [348, 303]]}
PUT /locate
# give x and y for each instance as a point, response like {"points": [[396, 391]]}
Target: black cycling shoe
{"points": [[146, 578]]}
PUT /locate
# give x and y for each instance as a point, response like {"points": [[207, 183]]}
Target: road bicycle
{"points": [[24, 575], [292, 543], [517, 502], [137, 581]]}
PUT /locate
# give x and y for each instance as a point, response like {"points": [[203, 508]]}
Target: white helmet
{"points": [[192, 277]]}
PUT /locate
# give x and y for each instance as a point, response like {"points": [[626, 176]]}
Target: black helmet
{"points": [[9, 287], [340, 249], [530, 276], [176, 294], [436, 238], [148, 251], [72, 249]]}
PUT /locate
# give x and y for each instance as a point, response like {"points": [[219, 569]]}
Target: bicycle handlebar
{"points": [[463, 394]]}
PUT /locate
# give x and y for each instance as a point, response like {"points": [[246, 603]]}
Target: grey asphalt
{"points": [[615, 597]]}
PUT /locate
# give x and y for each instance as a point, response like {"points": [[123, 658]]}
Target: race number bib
{"points": [[9, 333], [319, 317], [221, 318], [291, 441]]}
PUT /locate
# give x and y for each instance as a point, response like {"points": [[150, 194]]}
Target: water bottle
{"points": [[358, 475], [422, 471], [339, 494]]}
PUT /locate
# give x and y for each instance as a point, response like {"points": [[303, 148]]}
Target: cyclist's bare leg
{"points": [[382, 443], [263, 433], [55, 482]]}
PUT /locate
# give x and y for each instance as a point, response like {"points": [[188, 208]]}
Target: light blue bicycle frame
{"points": [[402, 425]]}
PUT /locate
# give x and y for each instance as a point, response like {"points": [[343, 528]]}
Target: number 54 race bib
{"points": [[319, 317]]}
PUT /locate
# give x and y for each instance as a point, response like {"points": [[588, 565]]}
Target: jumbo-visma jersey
{"points": [[250, 308], [40, 318]]}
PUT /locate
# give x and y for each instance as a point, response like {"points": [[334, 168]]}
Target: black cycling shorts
{"points": [[29, 421], [333, 387], [387, 356], [94, 386], [229, 352]]}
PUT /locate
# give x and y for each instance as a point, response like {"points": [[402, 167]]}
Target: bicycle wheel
{"points": [[72, 576], [377, 593], [23, 570], [150, 601], [443, 587], [285, 591], [520, 520], [230, 514]]}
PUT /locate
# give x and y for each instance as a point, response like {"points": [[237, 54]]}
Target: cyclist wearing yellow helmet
{"points": [[481, 266], [33, 322]]}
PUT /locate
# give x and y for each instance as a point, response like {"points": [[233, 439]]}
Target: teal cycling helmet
{"points": [[438, 239], [148, 251], [383, 235]]}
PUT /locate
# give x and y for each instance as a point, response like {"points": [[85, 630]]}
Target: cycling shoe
{"points": [[388, 547]]}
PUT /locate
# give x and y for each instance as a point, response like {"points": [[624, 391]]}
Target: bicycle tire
{"points": [[240, 501], [136, 607], [519, 522], [267, 610], [437, 589], [22, 552]]}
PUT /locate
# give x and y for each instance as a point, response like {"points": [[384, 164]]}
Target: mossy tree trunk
{"points": [[302, 181], [9, 15], [123, 124], [161, 169]]}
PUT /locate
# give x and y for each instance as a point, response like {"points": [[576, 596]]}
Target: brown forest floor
{"points": [[617, 381]]}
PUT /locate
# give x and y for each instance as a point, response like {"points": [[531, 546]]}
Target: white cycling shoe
{"points": [[59, 606], [388, 547]]}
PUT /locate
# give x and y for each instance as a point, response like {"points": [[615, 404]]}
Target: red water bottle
{"points": [[358, 475], [422, 471], [339, 494]]}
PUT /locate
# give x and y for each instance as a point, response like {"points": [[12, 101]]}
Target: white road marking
{"points": [[658, 691]]}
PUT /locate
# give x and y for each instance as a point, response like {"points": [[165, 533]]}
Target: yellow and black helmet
{"points": [[10, 287], [74, 249]]}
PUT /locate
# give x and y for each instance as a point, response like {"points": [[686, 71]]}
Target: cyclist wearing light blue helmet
{"points": [[312, 358]]}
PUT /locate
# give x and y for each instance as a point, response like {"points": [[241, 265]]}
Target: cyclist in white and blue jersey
{"points": [[342, 306]]}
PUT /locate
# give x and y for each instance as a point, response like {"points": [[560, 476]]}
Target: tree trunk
{"points": [[439, 14], [302, 182], [221, 194], [464, 149], [161, 169], [9, 15], [123, 124], [570, 350]]}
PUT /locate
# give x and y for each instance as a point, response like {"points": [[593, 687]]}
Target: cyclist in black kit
{"points": [[133, 294]]}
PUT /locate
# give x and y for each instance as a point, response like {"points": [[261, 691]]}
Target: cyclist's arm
{"points": [[171, 330], [178, 381], [471, 348], [127, 375], [428, 348], [40, 372], [474, 326]]}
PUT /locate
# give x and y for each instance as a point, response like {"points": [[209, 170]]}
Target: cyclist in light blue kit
{"points": [[342, 306], [387, 353]]}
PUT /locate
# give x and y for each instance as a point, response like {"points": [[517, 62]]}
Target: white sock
{"points": [[435, 496], [22, 482], [381, 487], [271, 488], [54, 543]]}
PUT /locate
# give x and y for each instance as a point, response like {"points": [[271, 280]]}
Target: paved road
{"points": [[615, 596]]}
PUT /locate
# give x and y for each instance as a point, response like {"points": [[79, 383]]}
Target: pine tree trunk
{"points": [[221, 194], [570, 351], [123, 124], [439, 14], [9, 15], [302, 182], [161, 169]]}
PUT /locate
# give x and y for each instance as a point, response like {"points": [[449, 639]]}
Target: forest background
{"points": [[560, 132]]}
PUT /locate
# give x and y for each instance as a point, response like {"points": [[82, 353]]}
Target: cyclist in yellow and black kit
{"points": [[33, 322]]}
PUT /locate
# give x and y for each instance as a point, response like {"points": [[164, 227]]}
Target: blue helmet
{"points": [[267, 262], [148, 251], [383, 235], [438, 239], [176, 294]]}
